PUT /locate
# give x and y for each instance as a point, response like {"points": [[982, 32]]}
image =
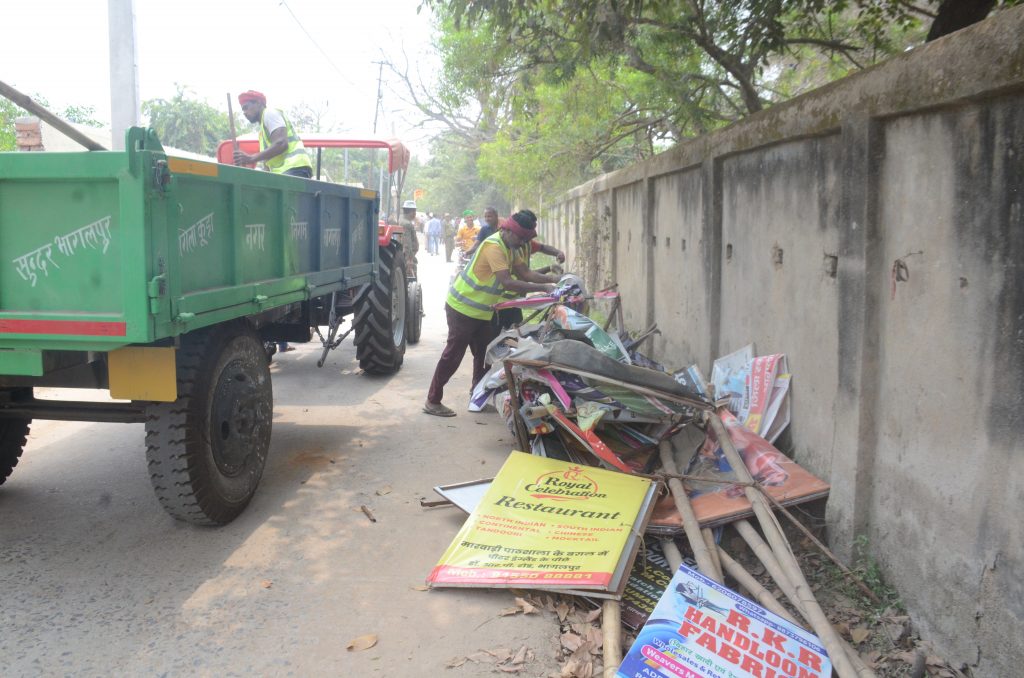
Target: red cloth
{"points": [[252, 95], [511, 224]]}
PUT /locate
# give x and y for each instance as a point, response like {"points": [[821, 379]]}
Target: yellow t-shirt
{"points": [[492, 259], [466, 236]]}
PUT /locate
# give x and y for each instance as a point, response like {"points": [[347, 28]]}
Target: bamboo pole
{"points": [[611, 626], [672, 554], [781, 549], [747, 581], [705, 563], [709, 540], [31, 106], [517, 422], [824, 549], [767, 558]]}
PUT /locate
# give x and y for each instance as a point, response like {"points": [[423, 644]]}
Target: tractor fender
{"points": [[388, 232]]}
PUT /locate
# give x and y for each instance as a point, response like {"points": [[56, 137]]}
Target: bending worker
{"points": [[498, 265], [281, 150]]}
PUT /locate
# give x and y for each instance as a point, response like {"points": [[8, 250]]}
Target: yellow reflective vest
{"points": [[473, 297], [294, 156]]}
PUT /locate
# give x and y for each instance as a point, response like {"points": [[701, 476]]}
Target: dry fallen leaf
{"points": [[508, 612], [511, 669], [266, 583], [421, 587], [596, 638], [362, 642], [562, 610], [501, 654], [384, 490], [570, 641], [520, 656], [525, 606], [593, 615], [859, 635], [455, 662]]}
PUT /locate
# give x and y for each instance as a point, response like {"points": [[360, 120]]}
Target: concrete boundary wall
{"points": [[795, 229]]}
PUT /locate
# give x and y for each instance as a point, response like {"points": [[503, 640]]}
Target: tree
{"points": [[188, 123]]}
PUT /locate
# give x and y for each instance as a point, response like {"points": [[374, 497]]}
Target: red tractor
{"points": [[343, 161]]}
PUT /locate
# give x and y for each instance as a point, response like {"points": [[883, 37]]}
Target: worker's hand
{"points": [[243, 158], [560, 255]]}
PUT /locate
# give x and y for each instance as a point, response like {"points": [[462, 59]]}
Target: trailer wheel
{"points": [[414, 313], [207, 449], [13, 434], [380, 316]]}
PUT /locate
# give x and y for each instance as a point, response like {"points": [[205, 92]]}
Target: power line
{"points": [[317, 45]]}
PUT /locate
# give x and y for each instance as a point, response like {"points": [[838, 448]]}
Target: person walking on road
{"points": [[499, 264], [434, 232], [449, 236]]}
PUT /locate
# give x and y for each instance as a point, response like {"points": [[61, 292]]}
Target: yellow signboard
{"points": [[550, 524]]}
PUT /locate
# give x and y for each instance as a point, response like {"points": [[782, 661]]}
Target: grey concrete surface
{"points": [[98, 581], [906, 395]]}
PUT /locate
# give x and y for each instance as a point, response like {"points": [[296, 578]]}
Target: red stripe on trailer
{"points": [[91, 328]]}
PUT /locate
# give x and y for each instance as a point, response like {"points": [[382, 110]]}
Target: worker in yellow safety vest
{"points": [[281, 149], [499, 265]]}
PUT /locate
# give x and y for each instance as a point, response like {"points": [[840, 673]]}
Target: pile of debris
{"points": [[592, 410]]}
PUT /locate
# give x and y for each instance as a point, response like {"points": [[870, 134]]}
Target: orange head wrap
{"points": [[252, 95]]}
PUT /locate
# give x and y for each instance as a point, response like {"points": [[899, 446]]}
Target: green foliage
{"points": [[8, 113], [189, 124], [552, 93], [869, 571]]}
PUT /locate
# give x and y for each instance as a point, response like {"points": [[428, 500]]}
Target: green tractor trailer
{"points": [[161, 279]]}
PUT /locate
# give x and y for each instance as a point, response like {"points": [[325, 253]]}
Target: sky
{"points": [[321, 53]]}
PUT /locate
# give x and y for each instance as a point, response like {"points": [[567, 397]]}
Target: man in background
{"points": [[449, 236], [434, 232]]}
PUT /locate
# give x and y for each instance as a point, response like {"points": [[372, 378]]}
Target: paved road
{"points": [[97, 580]]}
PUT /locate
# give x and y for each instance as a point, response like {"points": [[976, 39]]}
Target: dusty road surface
{"points": [[97, 580]]}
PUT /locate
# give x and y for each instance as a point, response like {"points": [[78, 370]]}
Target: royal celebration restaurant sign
{"points": [[548, 524]]}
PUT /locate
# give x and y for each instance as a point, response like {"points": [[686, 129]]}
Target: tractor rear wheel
{"points": [[206, 450], [380, 313]]}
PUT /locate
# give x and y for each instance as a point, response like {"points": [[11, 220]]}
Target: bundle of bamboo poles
{"points": [[773, 550]]}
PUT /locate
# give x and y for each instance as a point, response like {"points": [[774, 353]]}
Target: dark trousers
{"points": [[304, 172], [449, 247], [463, 332]]}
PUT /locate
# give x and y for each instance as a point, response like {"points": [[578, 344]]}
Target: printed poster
{"points": [[716, 503], [701, 629], [545, 523]]}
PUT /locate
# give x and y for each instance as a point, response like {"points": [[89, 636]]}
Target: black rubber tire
{"points": [[380, 316], [13, 434], [414, 313], [206, 450]]}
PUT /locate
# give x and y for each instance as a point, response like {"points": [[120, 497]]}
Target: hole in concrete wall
{"points": [[831, 265], [963, 282], [728, 252], [684, 244], [654, 241], [776, 255], [668, 241]]}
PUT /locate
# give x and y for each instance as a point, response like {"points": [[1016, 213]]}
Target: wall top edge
{"points": [[986, 59]]}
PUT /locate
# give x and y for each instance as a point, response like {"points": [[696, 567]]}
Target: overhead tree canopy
{"points": [[547, 94]]}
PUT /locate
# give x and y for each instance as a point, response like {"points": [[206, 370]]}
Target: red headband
{"points": [[252, 95], [511, 224]]}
